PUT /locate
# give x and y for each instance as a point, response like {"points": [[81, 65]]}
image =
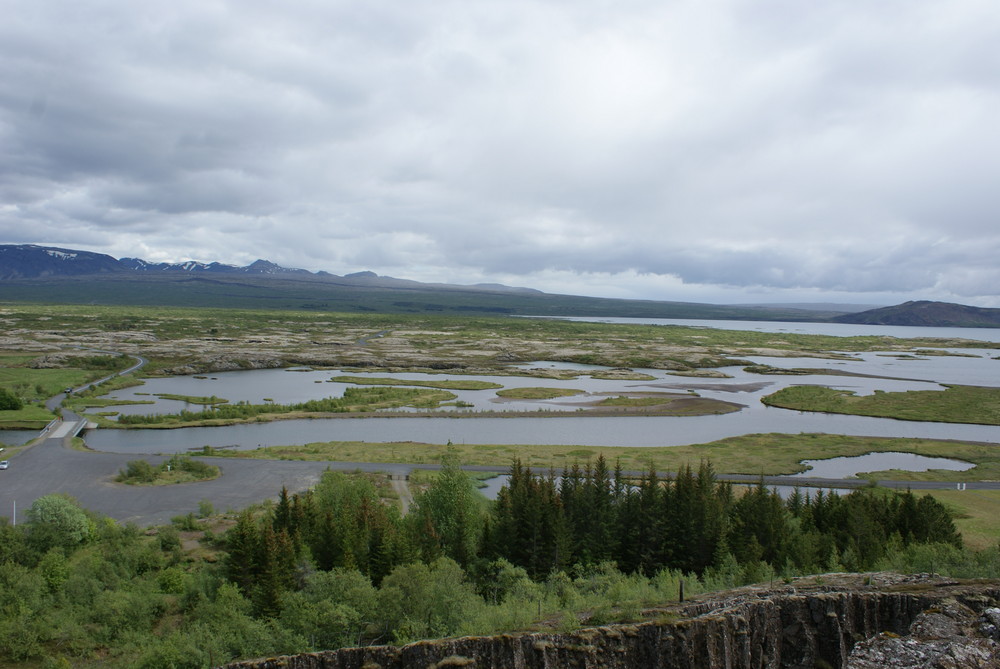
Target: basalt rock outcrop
{"points": [[951, 635], [808, 625]]}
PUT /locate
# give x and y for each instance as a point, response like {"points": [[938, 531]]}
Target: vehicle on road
{"points": [[4, 464]]}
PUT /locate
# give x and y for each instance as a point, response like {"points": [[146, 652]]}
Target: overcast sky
{"points": [[710, 150]]}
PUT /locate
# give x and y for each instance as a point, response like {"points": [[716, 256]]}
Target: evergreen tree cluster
{"points": [[588, 516], [341, 523], [692, 523]]}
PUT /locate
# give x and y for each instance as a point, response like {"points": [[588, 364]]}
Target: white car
{"points": [[4, 464]]}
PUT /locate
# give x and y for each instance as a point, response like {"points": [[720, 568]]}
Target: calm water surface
{"points": [[848, 467], [831, 329], [972, 366], [16, 437]]}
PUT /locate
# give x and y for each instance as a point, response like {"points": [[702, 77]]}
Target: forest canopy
{"points": [[337, 565]]}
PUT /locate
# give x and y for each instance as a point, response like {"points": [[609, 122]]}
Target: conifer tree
{"points": [[282, 517], [679, 510], [276, 572], [759, 529], [244, 550], [595, 531], [933, 523]]}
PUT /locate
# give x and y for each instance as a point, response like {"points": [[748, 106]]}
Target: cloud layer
{"points": [[720, 150]]}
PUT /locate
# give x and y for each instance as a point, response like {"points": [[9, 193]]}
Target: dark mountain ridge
{"points": [[928, 314], [30, 261], [22, 261], [32, 273]]}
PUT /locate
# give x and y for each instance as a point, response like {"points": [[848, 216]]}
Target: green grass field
{"points": [[31, 417], [39, 384], [975, 513], [33, 386], [955, 404]]}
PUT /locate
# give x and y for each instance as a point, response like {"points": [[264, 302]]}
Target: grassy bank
{"points": [[955, 404], [766, 454], [354, 400], [31, 417]]}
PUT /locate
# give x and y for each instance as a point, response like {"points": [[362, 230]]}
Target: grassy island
{"points": [[354, 400], [954, 404]]}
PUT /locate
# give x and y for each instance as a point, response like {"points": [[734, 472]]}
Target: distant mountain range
{"points": [[928, 314], [32, 273], [29, 261]]}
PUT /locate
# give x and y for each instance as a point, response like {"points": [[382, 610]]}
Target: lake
{"points": [[554, 423], [832, 329], [848, 467]]}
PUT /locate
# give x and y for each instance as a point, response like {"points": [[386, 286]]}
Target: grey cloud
{"points": [[824, 147]]}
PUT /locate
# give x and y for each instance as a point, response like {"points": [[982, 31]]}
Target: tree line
{"points": [[338, 566], [587, 517], [692, 522]]}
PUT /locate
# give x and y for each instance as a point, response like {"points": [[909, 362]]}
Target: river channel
{"points": [[562, 421]]}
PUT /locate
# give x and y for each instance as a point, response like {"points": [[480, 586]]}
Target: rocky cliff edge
{"points": [[857, 621]]}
